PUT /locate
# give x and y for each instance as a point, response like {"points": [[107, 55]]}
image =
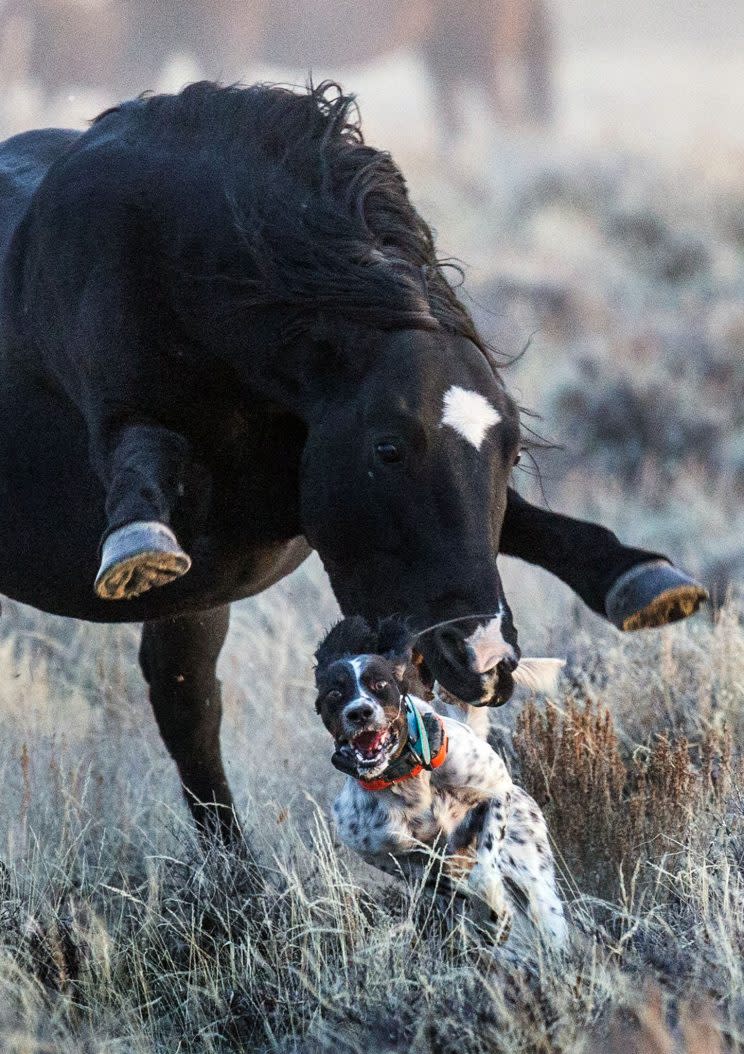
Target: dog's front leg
{"points": [[485, 882], [528, 863]]}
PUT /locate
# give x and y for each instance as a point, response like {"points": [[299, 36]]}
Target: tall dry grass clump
{"points": [[119, 936], [611, 812]]}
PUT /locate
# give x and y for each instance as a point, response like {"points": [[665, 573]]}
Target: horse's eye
{"points": [[378, 686], [389, 452]]}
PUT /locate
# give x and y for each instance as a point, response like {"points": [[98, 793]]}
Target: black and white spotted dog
{"points": [[420, 776]]}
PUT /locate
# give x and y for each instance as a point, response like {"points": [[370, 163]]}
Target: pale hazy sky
{"points": [[595, 23]]}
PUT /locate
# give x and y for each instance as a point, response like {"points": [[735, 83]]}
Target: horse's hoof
{"points": [[138, 557], [653, 594]]}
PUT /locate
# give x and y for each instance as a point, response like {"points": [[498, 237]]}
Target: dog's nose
{"points": [[507, 665], [359, 713]]}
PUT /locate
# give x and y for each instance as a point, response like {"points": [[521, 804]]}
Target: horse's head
{"points": [[404, 485]]}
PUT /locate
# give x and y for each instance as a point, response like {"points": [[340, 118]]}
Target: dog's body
{"points": [[492, 834]]}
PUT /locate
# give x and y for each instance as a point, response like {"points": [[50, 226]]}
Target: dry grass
{"points": [[118, 936], [609, 814], [644, 1028]]}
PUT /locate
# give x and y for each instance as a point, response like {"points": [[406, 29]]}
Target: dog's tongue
{"points": [[368, 742]]}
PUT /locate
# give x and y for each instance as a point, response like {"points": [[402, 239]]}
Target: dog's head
{"points": [[362, 678]]}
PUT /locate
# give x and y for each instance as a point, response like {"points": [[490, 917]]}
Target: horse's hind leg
{"points": [[632, 588], [178, 658], [143, 472]]}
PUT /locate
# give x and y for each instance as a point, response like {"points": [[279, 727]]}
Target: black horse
{"points": [[226, 340]]}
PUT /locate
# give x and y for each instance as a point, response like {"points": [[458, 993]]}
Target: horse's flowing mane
{"points": [[326, 227]]}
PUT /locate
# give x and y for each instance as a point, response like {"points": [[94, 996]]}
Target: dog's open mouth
{"points": [[371, 747]]}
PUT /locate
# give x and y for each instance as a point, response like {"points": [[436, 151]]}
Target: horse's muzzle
{"points": [[498, 685], [451, 662]]}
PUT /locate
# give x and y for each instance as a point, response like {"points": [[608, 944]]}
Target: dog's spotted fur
{"points": [[489, 828]]}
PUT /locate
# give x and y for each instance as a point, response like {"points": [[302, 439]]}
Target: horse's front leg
{"points": [[633, 588], [142, 466], [179, 658]]}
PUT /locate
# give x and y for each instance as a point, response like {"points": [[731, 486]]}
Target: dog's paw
{"points": [[489, 903], [458, 865]]}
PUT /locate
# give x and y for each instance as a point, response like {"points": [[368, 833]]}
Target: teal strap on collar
{"points": [[418, 738]]}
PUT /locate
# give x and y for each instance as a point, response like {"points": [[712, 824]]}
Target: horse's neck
{"points": [[448, 705]]}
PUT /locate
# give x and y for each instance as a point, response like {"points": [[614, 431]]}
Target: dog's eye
{"points": [[333, 696], [378, 686]]}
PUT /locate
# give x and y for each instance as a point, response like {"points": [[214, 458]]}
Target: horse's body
{"points": [[253, 541], [219, 311]]}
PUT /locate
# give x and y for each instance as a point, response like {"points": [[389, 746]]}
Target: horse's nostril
{"points": [[453, 647], [461, 652]]}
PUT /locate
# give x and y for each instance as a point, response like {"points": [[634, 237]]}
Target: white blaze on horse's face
{"points": [[487, 646], [469, 413]]}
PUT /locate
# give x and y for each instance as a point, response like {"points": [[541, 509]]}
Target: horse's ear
{"points": [[395, 642], [351, 636]]}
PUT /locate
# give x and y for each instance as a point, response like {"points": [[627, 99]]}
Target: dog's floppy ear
{"points": [[395, 642], [351, 636]]}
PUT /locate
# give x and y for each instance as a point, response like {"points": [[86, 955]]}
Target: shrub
{"points": [[607, 813]]}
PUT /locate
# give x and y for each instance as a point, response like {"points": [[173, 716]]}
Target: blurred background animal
{"points": [[499, 47]]}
